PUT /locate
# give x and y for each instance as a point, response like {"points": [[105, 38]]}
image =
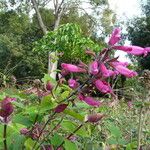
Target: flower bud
{"points": [[93, 118], [60, 108], [6, 108], [93, 68], [24, 131], [49, 86]]}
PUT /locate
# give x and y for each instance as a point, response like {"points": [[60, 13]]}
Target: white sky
{"points": [[125, 9]]}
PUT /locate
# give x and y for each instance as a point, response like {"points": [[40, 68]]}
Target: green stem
{"points": [[139, 128], [5, 136], [70, 135]]}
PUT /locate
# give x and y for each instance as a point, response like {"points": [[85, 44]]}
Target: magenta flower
{"points": [[125, 71], [73, 83], [115, 36], [103, 86], [106, 72], [134, 50], [93, 68], [72, 68], [115, 63], [6, 108], [91, 101]]}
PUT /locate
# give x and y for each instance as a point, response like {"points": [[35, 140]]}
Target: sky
{"points": [[125, 9]]}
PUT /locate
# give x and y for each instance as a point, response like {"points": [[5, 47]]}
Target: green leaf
{"points": [[74, 114], [47, 78], [68, 145], [112, 140], [47, 103], [56, 140], [19, 118], [70, 126], [20, 105], [29, 144], [115, 131]]}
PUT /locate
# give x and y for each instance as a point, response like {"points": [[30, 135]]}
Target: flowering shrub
{"points": [[53, 118]]}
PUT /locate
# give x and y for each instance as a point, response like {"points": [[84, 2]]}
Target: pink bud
{"points": [[103, 86], [125, 71], [106, 72], [91, 101], [24, 131], [49, 86], [93, 68], [130, 105], [80, 96], [115, 36], [72, 68], [93, 118], [73, 83], [60, 108]]}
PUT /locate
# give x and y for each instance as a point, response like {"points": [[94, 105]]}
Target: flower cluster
{"points": [[101, 68]]}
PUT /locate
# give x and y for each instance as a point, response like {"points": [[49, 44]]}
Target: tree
{"points": [[139, 30]]}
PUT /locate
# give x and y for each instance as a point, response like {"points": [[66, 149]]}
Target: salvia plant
{"points": [[60, 116]]}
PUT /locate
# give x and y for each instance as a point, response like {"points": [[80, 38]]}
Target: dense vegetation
{"points": [[95, 102]]}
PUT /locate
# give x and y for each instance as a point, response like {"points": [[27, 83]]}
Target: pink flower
{"points": [[6, 108], [73, 83], [125, 71], [134, 50], [93, 68], [115, 36], [103, 86], [91, 101], [115, 63], [106, 72], [72, 68]]}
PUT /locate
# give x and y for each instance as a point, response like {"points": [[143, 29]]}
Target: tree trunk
{"points": [[41, 24], [52, 65]]}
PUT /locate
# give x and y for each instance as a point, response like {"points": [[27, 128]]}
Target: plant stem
{"points": [[50, 118], [5, 136], [49, 133], [139, 128], [70, 135]]}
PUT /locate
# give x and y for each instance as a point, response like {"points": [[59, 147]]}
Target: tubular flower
{"points": [[73, 83], [134, 50], [115, 36], [103, 86], [106, 72], [72, 68], [6, 108], [91, 101], [125, 71], [93, 68], [115, 63]]}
